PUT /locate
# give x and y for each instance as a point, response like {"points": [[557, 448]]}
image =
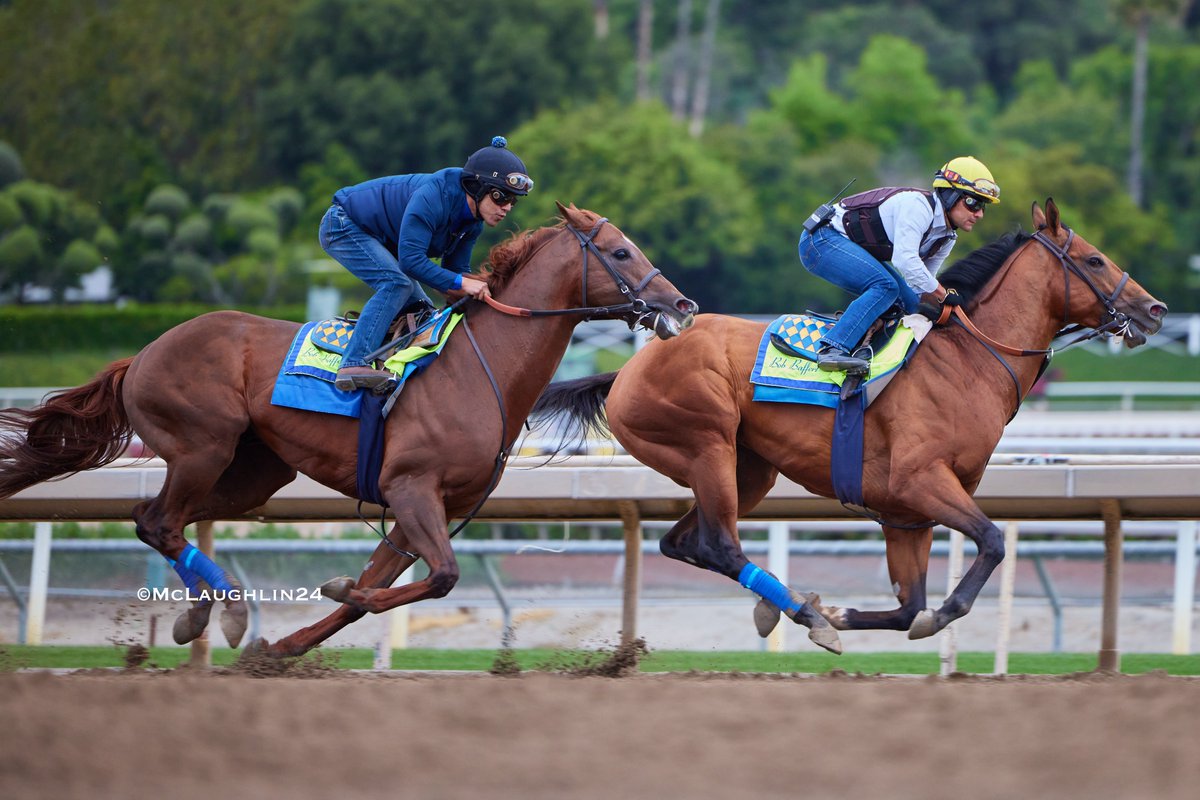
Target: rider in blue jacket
{"points": [[386, 231]]}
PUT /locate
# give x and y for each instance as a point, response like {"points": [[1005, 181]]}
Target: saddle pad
{"points": [[799, 334], [305, 380], [780, 377]]}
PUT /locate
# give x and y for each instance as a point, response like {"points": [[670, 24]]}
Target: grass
{"points": [[63, 657]]}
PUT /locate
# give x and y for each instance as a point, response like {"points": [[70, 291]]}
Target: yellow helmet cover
{"points": [[968, 174]]}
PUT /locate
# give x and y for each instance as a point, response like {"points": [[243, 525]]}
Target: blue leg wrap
{"points": [[199, 564], [766, 586], [190, 579]]}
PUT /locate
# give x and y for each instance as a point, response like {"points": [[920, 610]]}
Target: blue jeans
{"points": [[832, 256], [368, 260]]}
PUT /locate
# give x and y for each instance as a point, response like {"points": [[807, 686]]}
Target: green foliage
{"points": [[48, 237], [11, 169], [231, 251], [166, 92], [53, 329], [253, 115], [688, 211], [411, 86]]}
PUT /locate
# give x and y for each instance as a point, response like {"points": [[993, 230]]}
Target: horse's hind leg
{"points": [[250, 478], [908, 563], [707, 537]]}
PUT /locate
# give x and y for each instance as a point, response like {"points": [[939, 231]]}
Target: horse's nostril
{"points": [[1158, 310]]}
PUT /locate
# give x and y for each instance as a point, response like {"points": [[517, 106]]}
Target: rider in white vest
{"points": [[913, 230]]}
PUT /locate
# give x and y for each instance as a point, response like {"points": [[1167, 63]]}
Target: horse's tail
{"points": [[71, 431], [577, 407]]}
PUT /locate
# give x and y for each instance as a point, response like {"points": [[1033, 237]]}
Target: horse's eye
{"points": [[1095, 261], [621, 254]]}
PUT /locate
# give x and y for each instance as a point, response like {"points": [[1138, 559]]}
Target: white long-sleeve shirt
{"points": [[913, 228]]}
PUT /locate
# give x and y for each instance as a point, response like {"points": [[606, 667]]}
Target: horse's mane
{"points": [[972, 272], [505, 258]]}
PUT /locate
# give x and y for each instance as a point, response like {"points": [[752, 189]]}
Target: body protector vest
{"points": [[864, 224]]}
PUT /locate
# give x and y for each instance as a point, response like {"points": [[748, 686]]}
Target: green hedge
{"points": [[53, 329]]}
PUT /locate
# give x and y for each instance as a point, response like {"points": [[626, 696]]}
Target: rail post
{"points": [[1008, 577], [631, 520], [1110, 655], [201, 655]]}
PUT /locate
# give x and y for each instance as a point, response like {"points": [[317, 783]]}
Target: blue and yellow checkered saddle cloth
{"points": [[785, 370], [799, 334]]}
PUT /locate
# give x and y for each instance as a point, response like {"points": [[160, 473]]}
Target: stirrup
{"points": [[377, 380], [835, 360]]}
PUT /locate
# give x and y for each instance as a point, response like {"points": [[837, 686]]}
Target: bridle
{"points": [[1118, 321], [634, 311]]}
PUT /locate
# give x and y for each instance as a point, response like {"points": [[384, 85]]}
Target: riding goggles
{"points": [[503, 198], [981, 186], [519, 181]]}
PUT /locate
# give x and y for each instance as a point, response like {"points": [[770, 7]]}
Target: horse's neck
{"points": [[1023, 311], [522, 352], [1025, 308]]}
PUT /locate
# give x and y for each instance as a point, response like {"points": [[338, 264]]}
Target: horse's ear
{"points": [[1052, 217], [562, 210], [1039, 219]]}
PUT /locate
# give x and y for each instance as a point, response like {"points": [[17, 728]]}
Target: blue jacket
{"points": [[418, 217]]}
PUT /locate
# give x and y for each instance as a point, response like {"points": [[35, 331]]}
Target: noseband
{"points": [[633, 311]]}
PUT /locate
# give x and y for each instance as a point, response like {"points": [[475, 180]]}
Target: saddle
{"points": [[405, 330], [800, 334]]}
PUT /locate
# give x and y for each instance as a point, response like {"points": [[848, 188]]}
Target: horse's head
{"points": [[1106, 297], [617, 273]]}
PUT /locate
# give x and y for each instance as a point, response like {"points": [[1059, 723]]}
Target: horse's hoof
{"points": [[233, 622], [191, 623], [766, 617], [256, 647], [827, 638], [338, 589], [924, 625]]}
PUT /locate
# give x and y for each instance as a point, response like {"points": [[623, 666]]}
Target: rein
{"points": [[1118, 321], [587, 244], [635, 305]]}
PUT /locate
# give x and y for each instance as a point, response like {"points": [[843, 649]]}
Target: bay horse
{"points": [[200, 397], [684, 408]]}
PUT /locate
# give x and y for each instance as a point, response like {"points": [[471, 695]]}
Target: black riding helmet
{"points": [[495, 167]]}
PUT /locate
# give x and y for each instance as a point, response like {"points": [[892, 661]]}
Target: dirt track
{"points": [[558, 736]]}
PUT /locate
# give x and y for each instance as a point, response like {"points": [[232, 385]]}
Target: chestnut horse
{"points": [[684, 408], [200, 397]]}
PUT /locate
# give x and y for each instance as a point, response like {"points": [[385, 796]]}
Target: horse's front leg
{"points": [[908, 564], [381, 571], [424, 524], [949, 503]]}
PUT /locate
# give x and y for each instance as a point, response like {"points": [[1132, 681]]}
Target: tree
{"points": [[690, 213], [110, 99], [410, 86], [48, 237], [231, 250], [1139, 14]]}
